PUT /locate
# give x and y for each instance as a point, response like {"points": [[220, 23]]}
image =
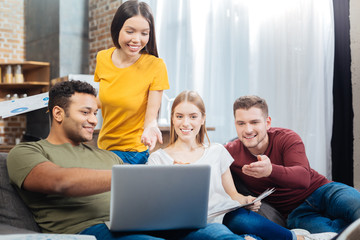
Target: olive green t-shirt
{"points": [[55, 213]]}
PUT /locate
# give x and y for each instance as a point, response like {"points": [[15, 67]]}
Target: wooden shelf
{"points": [[26, 63], [23, 85], [6, 148], [36, 78], [29, 88]]}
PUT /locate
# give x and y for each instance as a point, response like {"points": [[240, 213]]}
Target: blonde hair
{"points": [[194, 98]]}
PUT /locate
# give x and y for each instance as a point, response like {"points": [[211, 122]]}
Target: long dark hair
{"points": [[130, 9]]}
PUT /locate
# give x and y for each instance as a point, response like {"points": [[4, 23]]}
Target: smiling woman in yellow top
{"points": [[132, 79]]}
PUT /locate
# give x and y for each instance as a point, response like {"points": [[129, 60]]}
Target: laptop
{"points": [[157, 197]]}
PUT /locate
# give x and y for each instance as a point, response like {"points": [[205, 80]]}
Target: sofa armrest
{"points": [[13, 210]]}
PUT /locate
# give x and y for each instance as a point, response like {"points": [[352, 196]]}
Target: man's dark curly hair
{"points": [[60, 93]]}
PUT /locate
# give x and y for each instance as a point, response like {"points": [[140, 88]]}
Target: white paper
{"points": [[260, 197], [266, 193]]}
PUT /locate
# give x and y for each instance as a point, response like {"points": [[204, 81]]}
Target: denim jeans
{"points": [[212, 231], [133, 157], [331, 208], [243, 221]]}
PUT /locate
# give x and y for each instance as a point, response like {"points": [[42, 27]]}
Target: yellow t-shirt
{"points": [[123, 94]]}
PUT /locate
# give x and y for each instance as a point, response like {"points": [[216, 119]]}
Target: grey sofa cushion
{"points": [[13, 210], [7, 229]]}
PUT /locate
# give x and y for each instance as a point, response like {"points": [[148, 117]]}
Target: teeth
{"points": [[249, 137], [186, 130], [134, 47]]}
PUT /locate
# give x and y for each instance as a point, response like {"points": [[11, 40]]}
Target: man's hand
{"points": [[259, 169], [151, 135]]}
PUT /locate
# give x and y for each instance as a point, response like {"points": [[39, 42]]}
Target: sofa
{"points": [[15, 217], [16, 220]]}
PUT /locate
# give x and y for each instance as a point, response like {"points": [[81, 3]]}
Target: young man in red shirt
{"points": [[267, 157]]}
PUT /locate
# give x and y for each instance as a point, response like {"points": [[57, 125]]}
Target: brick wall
{"points": [[101, 14], [12, 33], [12, 48], [12, 45], [14, 128]]}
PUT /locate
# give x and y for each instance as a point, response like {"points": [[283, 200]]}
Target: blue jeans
{"points": [[242, 221], [213, 231], [331, 208], [133, 157]]}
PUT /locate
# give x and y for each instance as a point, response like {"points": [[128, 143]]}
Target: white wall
{"points": [[355, 69]]}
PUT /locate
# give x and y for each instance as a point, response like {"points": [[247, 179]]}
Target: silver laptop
{"points": [[147, 197]]}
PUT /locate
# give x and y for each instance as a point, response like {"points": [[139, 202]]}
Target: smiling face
{"points": [[79, 118], [134, 35], [251, 127], [187, 121]]}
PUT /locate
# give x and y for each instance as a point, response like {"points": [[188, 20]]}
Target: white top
{"points": [[220, 160]]}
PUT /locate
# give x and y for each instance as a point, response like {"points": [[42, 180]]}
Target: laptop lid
{"points": [[155, 197]]}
